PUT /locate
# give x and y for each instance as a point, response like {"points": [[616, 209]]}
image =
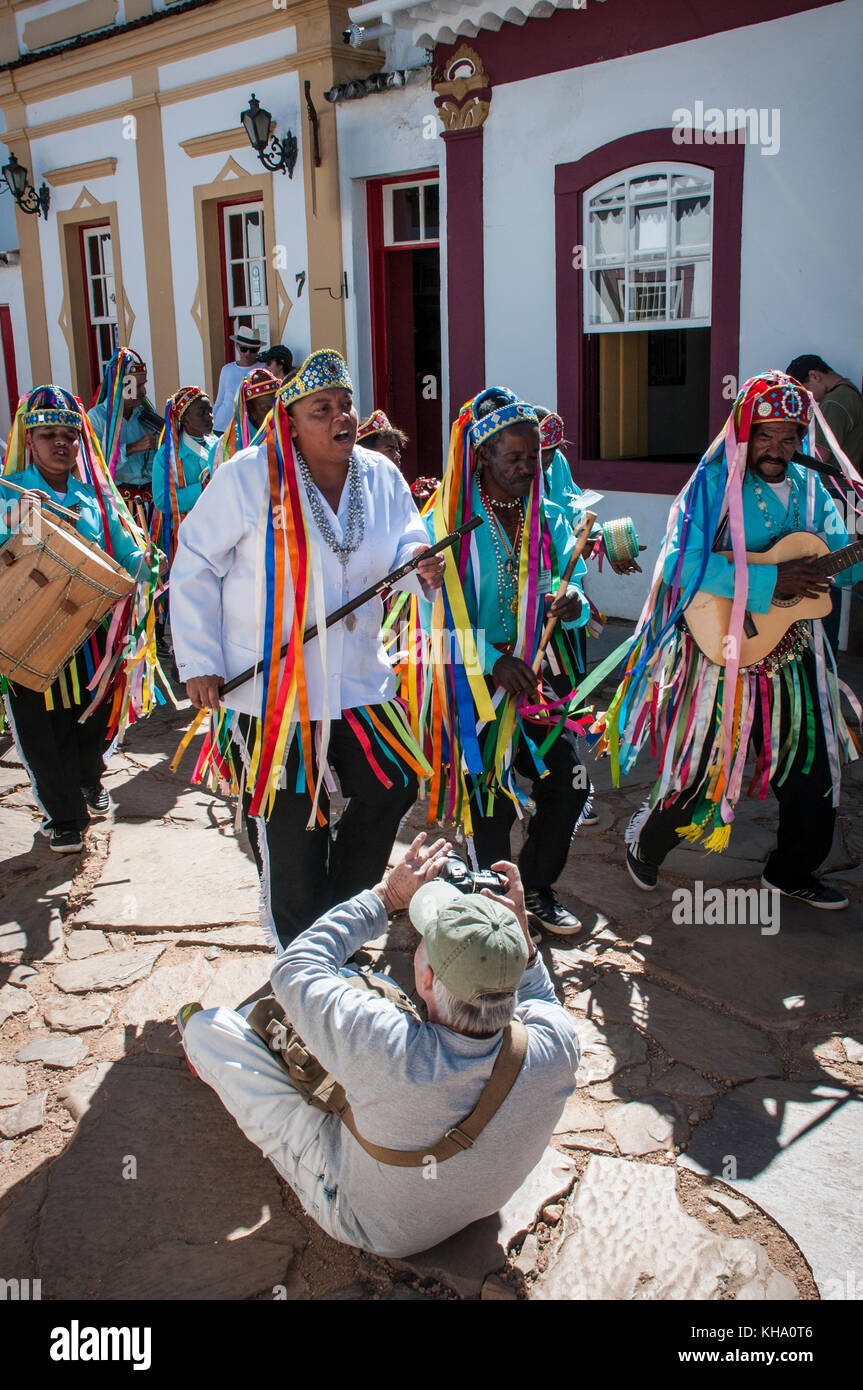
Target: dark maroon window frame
{"points": [[571, 183]]}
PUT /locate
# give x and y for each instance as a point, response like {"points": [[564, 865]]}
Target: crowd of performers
{"points": [[460, 689]]}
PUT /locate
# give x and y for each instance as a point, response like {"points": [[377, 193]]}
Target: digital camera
{"points": [[466, 880]]}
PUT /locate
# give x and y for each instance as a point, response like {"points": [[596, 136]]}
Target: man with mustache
{"points": [[287, 532], [784, 710]]}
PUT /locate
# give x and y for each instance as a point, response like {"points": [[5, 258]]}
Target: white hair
{"points": [[488, 1015]]}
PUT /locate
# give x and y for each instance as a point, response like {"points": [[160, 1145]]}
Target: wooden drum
{"points": [[55, 588]]}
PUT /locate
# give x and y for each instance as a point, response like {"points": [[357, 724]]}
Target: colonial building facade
{"points": [[620, 210], [165, 231]]}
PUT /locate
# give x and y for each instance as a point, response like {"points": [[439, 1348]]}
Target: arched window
{"points": [[648, 237]]}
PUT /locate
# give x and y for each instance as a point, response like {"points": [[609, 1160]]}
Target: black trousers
{"points": [[560, 798], [304, 872], [61, 755], [806, 814]]}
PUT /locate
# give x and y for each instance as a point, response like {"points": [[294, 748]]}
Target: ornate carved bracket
{"points": [[463, 91]]}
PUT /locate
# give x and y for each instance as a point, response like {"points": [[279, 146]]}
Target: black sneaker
{"points": [[590, 817], [97, 801], [643, 874], [813, 892], [66, 839], [549, 911]]}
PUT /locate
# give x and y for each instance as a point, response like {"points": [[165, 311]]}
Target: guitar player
{"points": [[790, 693]]}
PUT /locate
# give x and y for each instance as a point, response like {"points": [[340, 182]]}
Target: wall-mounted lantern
{"points": [[17, 182], [281, 154]]}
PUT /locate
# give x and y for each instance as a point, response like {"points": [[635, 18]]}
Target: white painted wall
{"points": [[98, 141], [386, 133], [801, 277], [233, 57], [219, 111], [12, 293], [76, 103]]}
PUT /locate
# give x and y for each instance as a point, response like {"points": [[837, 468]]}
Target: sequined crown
{"points": [[515, 412], [322, 371], [377, 423], [778, 397]]}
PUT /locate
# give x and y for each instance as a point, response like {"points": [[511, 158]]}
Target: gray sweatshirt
{"points": [[409, 1082]]}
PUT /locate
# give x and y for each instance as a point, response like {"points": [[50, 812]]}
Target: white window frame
{"points": [[258, 313], [389, 189], [631, 262], [101, 236]]}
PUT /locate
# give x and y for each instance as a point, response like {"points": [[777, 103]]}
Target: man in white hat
{"points": [[409, 1083], [247, 346]]}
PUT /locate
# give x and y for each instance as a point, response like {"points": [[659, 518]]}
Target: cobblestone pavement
{"points": [[707, 1152]]}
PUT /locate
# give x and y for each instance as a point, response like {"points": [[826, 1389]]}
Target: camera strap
{"points": [[319, 1088]]}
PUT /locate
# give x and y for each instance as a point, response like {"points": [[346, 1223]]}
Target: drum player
{"points": [[52, 453]]}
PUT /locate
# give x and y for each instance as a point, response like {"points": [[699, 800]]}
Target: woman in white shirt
{"points": [[287, 532]]}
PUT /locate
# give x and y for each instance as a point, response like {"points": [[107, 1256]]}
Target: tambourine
{"points": [[620, 540]]}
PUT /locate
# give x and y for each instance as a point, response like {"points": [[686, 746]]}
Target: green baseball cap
{"points": [[474, 945]]}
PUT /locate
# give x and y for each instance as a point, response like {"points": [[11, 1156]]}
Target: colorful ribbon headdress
{"points": [[168, 504], [550, 431], [377, 423], [44, 407], [113, 393], [240, 431]]}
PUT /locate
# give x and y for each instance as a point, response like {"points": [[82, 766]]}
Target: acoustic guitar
{"points": [[708, 616]]}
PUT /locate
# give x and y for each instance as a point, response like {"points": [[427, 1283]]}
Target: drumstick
{"points": [[582, 535], [45, 501]]}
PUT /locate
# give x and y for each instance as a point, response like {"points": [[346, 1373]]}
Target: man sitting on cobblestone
{"points": [[409, 1083]]}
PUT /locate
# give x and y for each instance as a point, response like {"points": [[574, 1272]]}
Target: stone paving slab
{"points": [[464, 1260], [625, 1236], [158, 876], [159, 1195], [795, 1152], [112, 971], [707, 1040], [814, 955]]}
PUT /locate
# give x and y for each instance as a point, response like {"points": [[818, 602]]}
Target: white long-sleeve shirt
{"points": [[229, 384], [218, 583]]}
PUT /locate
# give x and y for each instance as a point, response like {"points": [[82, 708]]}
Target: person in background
{"points": [[123, 422], [181, 466], [279, 361], [253, 404], [247, 345], [842, 407], [376, 433]]}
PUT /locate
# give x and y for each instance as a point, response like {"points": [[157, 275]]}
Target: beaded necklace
{"points": [[762, 503], [356, 522], [507, 564]]}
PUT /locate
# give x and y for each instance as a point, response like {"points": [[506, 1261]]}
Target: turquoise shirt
{"points": [[560, 486], [132, 469], [481, 582], [719, 575], [78, 496], [194, 466]]}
